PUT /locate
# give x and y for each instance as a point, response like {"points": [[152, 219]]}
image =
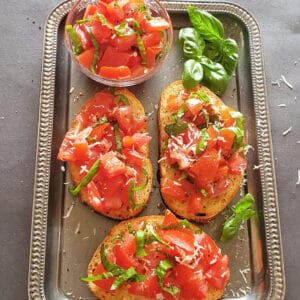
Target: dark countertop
{"points": [[22, 26]]}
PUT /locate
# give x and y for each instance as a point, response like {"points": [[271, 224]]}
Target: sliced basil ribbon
{"points": [[160, 272], [97, 50], [176, 128], [99, 16], [77, 47], [201, 146], [86, 179], [140, 237], [100, 122], [117, 137], [179, 225], [122, 98], [141, 47]]}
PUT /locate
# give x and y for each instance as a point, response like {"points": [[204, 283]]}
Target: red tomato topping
{"points": [[104, 284], [122, 72], [111, 165], [236, 164]]}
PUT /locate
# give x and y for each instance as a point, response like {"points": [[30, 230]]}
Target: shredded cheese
{"points": [[286, 82], [298, 181], [281, 105], [63, 169], [67, 215], [77, 230], [287, 131]]}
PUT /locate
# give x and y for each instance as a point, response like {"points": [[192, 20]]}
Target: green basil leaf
{"points": [[229, 57], [123, 29], [122, 98], [200, 95], [181, 111], [209, 27], [201, 146], [160, 272], [104, 275], [77, 47], [126, 276], [213, 51], [206, 115], [99, 16], [246, 202], [131, 194], [143, 186], [141, 48], [112, 90], [117, 137], [193, 44], [230, 228], [86, 179], [214, 75], [140, 242], [100, 122], [185, 224], [176, 128], [108, 266], [192, 74], [238, 141], [155, 236], [203, 192], [242, 211], [96, 52]]}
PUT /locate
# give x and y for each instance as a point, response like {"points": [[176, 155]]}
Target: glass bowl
{"points": [[155, 9]]}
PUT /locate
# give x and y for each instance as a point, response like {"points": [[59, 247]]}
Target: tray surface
{"points": [[65, 233]]}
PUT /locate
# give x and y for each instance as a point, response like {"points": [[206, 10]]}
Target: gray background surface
{"points": [[21, 36]]}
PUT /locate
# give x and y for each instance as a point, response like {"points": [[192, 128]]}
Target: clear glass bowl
{"points": [[156, 9]]}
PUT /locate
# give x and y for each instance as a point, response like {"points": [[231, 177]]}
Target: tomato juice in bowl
{"points": [[118, 42]]}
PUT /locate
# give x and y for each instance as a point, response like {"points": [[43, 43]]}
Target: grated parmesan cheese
{"points": [[298, 181], [71, 90], [67, 215], [287, 131], [286, 82], [63, 169], [77, 230], [281, 105]]}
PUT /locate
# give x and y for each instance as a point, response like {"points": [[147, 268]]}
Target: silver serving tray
{"points": [[65, 232]]}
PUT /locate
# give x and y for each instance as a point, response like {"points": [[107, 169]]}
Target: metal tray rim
{"points": [[38, 241]]}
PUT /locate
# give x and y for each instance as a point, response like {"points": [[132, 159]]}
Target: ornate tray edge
{"points": [[43, 151]]}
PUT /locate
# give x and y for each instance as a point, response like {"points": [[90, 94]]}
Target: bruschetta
{"points": [[107, 151], [202, 160], [157, 257]]}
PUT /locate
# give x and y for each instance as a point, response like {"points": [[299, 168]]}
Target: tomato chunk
{"points": [[104, 284], [122, 72], [111, 165], [173, 189], [236, 164], [86, 58]]}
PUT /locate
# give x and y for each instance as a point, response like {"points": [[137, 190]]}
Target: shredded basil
{"points": [[140, 242], [176, 128], [201, 146], [160, 272], [117, 137], [77, 47], [122, 98], [100, 122], [97, 51], [141, 48], [86, 179]]}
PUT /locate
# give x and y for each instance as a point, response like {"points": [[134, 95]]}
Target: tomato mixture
{"points": [[169, 261], [118, 39], [107, 147], [205, 145]]}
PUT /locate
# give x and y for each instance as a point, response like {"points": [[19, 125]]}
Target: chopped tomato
{"points": [[236, 164], [225, 140], [213, 134], [169, 218], [101, 32], [94, 196], [111, 165], [125, 118], [104, 284], [99, 131], [225, 115], [173, 103], [133, 156], [115, 12], [138, 70], [134, 60], [151, 53], [83, 36], [123, 43], [218, 272], [127, 141], [151, 39], [111, 186], [195, 203], [148, 288], [86, 58], [141, 139], [204, 170], [114, 58], [80, 150], [173, 189], [182, 238], [194, 105], [89, 11], [156, 24], [122, 72], [112, 203]]}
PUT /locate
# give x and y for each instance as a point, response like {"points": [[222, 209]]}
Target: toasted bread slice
{"points": [[142, 196], [122, 292], [211, 205]]}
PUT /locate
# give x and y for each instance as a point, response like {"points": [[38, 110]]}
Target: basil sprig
{"points": [[112, 270], [86, 179], [212, 59], [77, 47], [160, 271], [242, 211]]}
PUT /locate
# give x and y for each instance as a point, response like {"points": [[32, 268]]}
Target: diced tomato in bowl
{"points": [[118, 43]]}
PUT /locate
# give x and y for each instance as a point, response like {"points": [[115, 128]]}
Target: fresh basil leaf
{"points": [[160, 272], [193, 44], [192, 74], [112, 90], [141, 47], [200, 95], [143, 186], [131, 194], [214, 75], [246, 202], [122, 98], [123, 29], [104, 275], [100, 122], [99, 16], [230, 228], [209, 27], [117, 137], [176, 128], [140, 242], [96, 52], [203, 192], [181, 111], [128, 275], [77, 47], [206, 116], [229, 55], [108, 266], [201, 146], [242, 211], [238, 138], [212, 51], [86, 179]]}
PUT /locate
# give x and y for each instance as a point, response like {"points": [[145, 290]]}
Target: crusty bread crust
{"points": [[211, 206], [122, 293], [142, 196]]}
